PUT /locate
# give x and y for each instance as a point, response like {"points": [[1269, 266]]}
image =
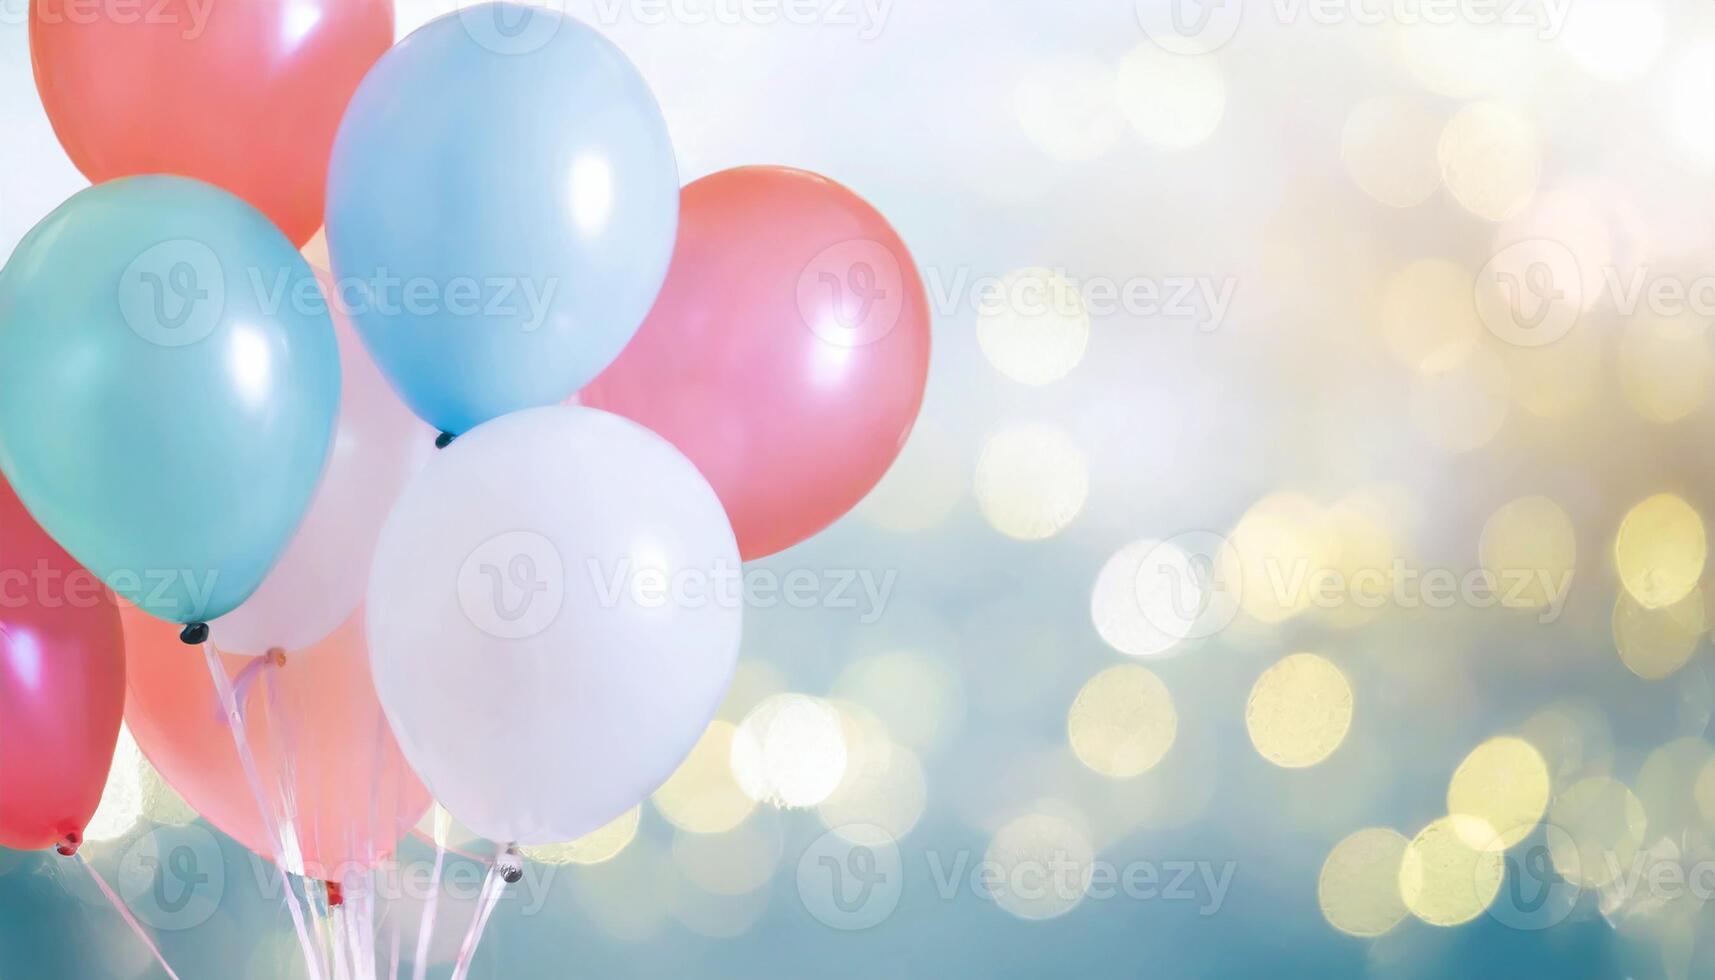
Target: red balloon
{"points": [[355, 795], [245, 95], [62, 686], [787, 353]]}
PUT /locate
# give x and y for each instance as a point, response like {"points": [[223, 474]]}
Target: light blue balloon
{"points": [[502, 206], [169, 380]]}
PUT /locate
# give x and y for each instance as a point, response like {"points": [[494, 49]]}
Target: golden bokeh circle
{"points": [[1530, 547], [1122, 722], [1503, 784], [702, 796], [1031, 481], [1299, 711], [1655, 643], [1358, 888], [602, 844], [1660, 551], [1601, 824], [1445, 881]]}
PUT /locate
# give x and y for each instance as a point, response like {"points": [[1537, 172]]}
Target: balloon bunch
{"points": [[637, 387]]}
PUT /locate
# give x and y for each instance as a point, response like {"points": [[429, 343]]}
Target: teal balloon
{"points": [[502, 206], [169, 379]]}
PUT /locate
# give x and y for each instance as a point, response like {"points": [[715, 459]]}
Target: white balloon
{"points": [[319, 580], [554, 617]]}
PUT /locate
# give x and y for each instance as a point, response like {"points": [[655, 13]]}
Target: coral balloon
{"points": [[243, 95], [355, 795], [787, 354], [319, 581], [62, 686]]}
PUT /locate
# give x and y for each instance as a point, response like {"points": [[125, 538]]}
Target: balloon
{"points": [[501, 205], [62, 686], [787, 355], [168, 388], [319, 581], [554, 616], [355, 795], [246, 96]]}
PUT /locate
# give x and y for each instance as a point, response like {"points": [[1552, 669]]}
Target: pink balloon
{"points": [[787, 354], [319, 580], [355, 795], [62, 686]]}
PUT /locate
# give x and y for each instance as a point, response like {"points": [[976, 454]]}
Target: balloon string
{"points": [[241, 741], [393, 961], [286, 782], [125, 913], [473, 936], [426, 929]]}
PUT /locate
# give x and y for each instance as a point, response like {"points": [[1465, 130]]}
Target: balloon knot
{"points": [[511, 865], [69, 844], [275, 656], [336, 895], [444, 440], [194, 634]]}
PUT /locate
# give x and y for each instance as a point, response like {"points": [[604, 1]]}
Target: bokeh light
{"points": [[703, 796], [1032, 481], [1491, 160], [1503, 788], [1660, 551], [1601, 826], [602, 844], [1122, 722], [1443, 879], [1299, 711], [1034, 328], [1358, 888], [1530, 547], [790, 751]]}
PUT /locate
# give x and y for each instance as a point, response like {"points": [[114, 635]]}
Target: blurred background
{"points": [[1299, 568]]}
